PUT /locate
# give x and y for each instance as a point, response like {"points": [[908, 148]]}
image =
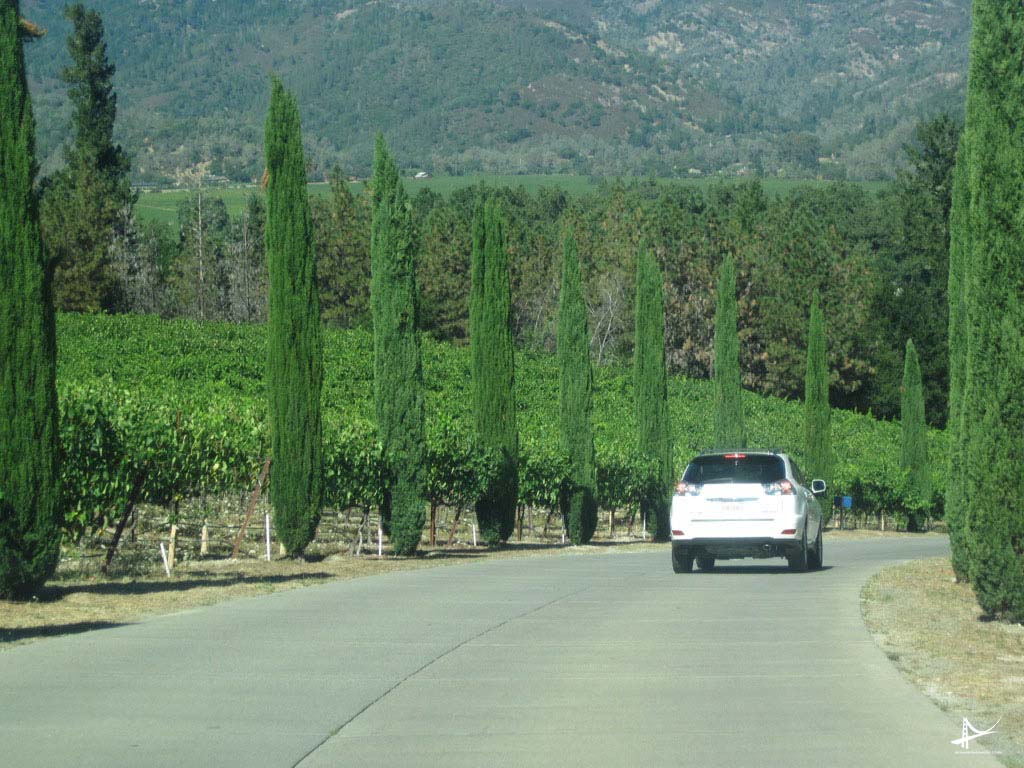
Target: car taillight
{"points": [[779, 488], [687, 489], [676, 532]]}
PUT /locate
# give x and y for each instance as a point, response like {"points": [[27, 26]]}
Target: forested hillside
{"points": [[462, 86]]}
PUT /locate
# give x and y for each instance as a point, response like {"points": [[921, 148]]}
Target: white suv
{"points": [[745, 504]]}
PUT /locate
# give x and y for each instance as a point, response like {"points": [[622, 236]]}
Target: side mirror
{"points": [[818, 487]]}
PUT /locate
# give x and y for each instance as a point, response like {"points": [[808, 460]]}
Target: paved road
{"points": [[592, 660]]}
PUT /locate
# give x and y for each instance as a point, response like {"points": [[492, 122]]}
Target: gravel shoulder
{"points": [[931, 628]]}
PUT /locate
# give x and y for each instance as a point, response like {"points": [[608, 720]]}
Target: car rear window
{"points": [[735, 468]]}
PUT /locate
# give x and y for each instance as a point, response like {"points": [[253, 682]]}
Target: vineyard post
{"points": [[163, 555], [171, 547], [267, 522], [380, 539], [204, 541], [256, 492]]}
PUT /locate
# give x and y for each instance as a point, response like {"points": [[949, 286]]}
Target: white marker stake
{"points": [[474, 535], [380, 540], [645, 528], [163, 554], [563, 535], [267, 519]]}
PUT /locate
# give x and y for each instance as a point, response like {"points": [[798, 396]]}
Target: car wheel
{"points": [[682, 560], [798, 559], [816, 556], [706, 562]]}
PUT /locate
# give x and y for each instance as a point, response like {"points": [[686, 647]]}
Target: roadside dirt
{"points": [[933, 631]]}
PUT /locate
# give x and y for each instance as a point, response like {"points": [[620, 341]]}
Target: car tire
{"points": [[682, 560], [816, 556], [798, 559], [706, 563]]}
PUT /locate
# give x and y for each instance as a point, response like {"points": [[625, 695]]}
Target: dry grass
{"points": [[932, 629], [73, 602], [867, 534]]}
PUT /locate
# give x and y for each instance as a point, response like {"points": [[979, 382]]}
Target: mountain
{"points": [[602, 87]]}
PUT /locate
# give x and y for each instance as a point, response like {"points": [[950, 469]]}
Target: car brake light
{"points": [[676, 533], [687, 489], [789, 532], [735, 455], [779, 488]]}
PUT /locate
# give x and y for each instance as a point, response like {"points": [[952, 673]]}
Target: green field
{"points": [[162, 205]]}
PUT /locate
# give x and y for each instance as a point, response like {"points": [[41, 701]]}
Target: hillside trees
{"points": [[817, 413], [990, 263], [341, 226], [802, 244], [650, 392], [910, 300], [730, 430], [398, 368], [578, 499], [294, 348], [446, 229], [30, 491], [493, 370], [89, 201], [247, 269], [201, 275]]}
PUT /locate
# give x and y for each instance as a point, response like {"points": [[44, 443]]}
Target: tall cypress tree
{"points": [[492, 356], [579, 500], [914, 445], [730, 430], [30, 513], [295, 349], [650, 390], [398, 370], [959, 251], [817, 414], [85, 203], [993, 403]]}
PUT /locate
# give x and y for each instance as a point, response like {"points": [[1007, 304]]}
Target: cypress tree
{"points": [[959, 249], [730, 430], [914, 446], [294, 349], [650, 388], [992, 419], [398, 369], [30, 512], [492, 358], [817, 414], [579, 499], [84, 205]]}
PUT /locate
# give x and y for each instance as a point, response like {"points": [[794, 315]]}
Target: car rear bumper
{"points": [[723, 548]]}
